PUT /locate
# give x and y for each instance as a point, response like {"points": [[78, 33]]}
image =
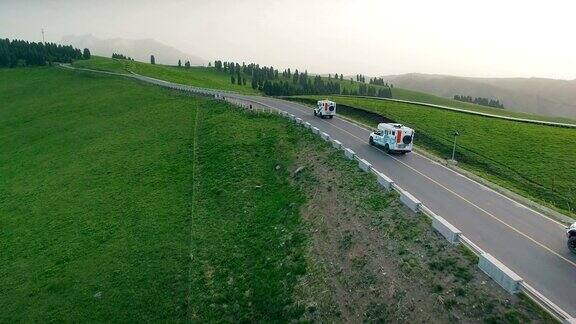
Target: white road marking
{"points": [[464, 176], [458, 195]]}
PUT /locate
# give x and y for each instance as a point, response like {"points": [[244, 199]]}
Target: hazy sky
{"points": [[470, 38]]}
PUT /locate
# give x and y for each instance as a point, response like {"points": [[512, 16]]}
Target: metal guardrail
{"points": [[550, 307]]}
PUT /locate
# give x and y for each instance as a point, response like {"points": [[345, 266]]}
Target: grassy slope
{"points": [[410, 95], [97, 210], [531, 159], [211, 78], [123, 203], [197, 76], [95, 198], [246, 233]]}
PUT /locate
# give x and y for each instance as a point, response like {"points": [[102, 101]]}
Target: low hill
{"points": [[198, 76], [139, 49], [548, 97], [210, 77]]}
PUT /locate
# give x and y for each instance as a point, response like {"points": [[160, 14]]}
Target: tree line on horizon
{"points": [[495, 103], [186, 64], [287, 83], [121, 57], [15, 53]]}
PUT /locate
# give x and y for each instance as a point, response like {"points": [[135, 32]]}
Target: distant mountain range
{"points": [[548, 97], [139, 50]]}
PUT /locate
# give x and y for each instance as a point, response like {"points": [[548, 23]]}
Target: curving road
{"points": [[529, 243]]}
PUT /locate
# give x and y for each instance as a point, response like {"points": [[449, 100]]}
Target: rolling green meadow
{"points": [[209, 77], [198, 76], [95, 198], [112, 209], [533, 160], [124, 202], [405, 94]]}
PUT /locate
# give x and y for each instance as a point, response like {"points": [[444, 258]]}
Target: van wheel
{"points": [[387, 148], [331, 116], [572, 243], [371, 141], [315, 113]]}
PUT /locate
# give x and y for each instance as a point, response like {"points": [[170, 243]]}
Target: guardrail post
{"points": [[505, 277], [364, 165], [451, 233], [336, 144], [384, 181], [410, 201], [349, 154]]}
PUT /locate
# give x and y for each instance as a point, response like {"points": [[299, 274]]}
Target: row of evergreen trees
{"points": [[23, 53], [480, 101], [380, 82], [360, 78], [187, 64], [121, 57], [287, 83], [371, 91]]}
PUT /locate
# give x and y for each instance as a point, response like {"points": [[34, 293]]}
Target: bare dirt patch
{"points": [[370, 259]]}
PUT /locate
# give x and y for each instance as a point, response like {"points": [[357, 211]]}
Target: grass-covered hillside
{"points": [[198, 76], [95, 198], [531, 159], [123, 202], [210, 77], [404, 94]]}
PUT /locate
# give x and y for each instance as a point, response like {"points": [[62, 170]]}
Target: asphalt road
{"points": [[529, 243]]}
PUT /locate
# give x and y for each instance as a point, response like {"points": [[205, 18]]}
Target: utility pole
{"points": [[43, 41], [456, 134]]}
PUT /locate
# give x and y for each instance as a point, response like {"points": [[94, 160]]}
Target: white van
{"points": [[571, 235], [325, 108], [393, 137]]}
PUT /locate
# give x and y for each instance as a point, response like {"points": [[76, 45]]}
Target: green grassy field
{"points": [[122, 202], [211, 78], [95, 198], [404, 94], [196, 76], [104, 203], [247, 240], [533, 160]]}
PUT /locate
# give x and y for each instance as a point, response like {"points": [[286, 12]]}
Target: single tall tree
{"points": [[86, 55], [179, 63], [152, 59]]}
